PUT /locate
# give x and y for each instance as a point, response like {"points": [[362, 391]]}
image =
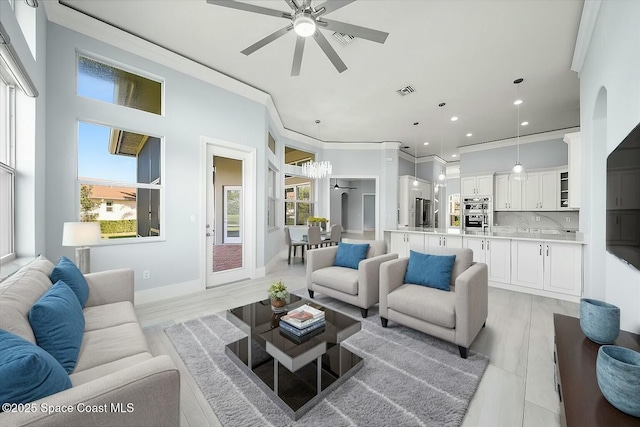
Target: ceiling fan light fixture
{"points": [[304, 24]]}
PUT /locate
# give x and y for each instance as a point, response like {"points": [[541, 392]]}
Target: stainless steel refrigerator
{"points": [[423, 212]]}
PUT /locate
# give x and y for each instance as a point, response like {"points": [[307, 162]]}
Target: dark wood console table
{"points": [[581, 402]]}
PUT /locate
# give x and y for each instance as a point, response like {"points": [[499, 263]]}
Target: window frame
{"points": [[297, 201], [97, 182], [8, 98], [124, 67]]}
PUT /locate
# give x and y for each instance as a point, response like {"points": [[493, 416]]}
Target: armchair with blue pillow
{"points": [[348, 272], [444, 295]]}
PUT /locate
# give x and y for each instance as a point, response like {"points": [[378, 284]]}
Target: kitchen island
{"points": [[538, 263]]}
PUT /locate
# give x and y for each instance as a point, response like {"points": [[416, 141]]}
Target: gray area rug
{"points": [[408, 379]]}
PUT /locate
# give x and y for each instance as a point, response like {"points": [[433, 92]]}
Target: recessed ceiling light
{"points": [[469, 134], [518, 102], [524, 123], [454, 118], [426, 143], [454, 155]]}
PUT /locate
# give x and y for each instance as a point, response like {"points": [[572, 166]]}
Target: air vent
{"points": [[406, 90], [345, 39]]}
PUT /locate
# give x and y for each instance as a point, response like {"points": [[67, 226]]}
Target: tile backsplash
{"points": [[548, 220]]}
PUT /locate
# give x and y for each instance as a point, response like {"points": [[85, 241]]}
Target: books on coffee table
{"points": [[299, 339], [303, 316], [284, 326]]}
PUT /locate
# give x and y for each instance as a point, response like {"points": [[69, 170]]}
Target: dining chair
{"points": [[335, 236], [314, 237], [293, 244]]}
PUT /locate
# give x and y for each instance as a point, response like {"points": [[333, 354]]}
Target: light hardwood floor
{"points": [[516, 390]]}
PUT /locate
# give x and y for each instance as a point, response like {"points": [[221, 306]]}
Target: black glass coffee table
{"points": [[295, 375]]}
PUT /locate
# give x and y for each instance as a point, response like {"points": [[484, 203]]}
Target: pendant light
{"points": [[442, 179], [518, 172], [415, 186]]}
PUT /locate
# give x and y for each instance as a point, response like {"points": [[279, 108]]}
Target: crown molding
{"points": [[538, 137], [590, 12], [359, 145]]}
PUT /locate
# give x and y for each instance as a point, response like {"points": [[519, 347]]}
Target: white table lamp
{"points": [[81, 234]]}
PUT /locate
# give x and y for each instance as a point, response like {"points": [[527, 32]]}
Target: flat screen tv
{"points": [[623, 200]]}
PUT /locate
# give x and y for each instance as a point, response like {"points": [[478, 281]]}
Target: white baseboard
{"points": [[354, 231], [274, 261], [165, 292]]}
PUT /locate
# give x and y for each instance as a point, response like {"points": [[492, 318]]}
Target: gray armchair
{"points": [[455, 316], [358, 287]]}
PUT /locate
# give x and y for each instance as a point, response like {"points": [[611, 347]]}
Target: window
{"points": [[271, 143], [107, 83], [7, 171], [119, 176], [298, 206], [271, 208]]}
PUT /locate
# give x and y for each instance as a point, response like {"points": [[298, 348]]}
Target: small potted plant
{"points": [[278, 294]]}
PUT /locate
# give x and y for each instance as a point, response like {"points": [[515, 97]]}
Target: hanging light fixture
{"points": [[518, 172], [415, 161], [442, 179], [317, 170]]}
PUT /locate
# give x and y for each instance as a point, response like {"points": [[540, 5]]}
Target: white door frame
{"points": [[248, 156], [225, 236]]}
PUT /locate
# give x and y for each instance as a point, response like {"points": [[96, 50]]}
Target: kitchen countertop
{"points": [[564, 237]]}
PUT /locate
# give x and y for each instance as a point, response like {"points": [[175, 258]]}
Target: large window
{"points": [[7, 171], [119, 177], [298, 207]]}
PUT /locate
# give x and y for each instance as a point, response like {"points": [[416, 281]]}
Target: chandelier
{"points": [[316, 170]]}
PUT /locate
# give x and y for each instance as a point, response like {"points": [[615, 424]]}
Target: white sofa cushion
{"points": [[108, 315]]}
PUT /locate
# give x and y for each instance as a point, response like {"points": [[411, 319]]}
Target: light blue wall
{"points": [[535, 155], [193, 109]]}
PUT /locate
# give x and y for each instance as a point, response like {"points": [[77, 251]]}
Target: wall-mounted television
{"points": [[623, 200]]}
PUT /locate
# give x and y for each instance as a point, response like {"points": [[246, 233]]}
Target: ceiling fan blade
{"points": [[297, 56], [331, 5], [355, 30], [265, 41], [249, 8], [329, 51], [293, 4]]}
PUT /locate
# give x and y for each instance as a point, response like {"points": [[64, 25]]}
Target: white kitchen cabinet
{"points": [[549, 266], [402, 243], [563, 268], [507, 194], [625, 182], [496, 253], [480, 185], [540, 191], [435, 243]]}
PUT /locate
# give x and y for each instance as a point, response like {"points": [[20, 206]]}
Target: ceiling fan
{"points": [[305, 21], [337, 187]]}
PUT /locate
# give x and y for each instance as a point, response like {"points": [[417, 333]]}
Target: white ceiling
{"points": [[465, 53]]}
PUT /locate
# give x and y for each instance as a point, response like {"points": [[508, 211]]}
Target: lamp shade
{"points": [[80, 233]]}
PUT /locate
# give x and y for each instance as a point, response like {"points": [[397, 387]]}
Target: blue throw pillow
{"points": [[433, 271], [67, 271], [58, 324], [28, 372], [349, 254]]}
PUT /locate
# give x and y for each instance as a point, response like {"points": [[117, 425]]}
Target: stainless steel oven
{"points": [[477, 214]]}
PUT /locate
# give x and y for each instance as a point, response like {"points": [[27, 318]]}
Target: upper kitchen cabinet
{"points": [[507, 194], [541, 191], [479, 185], [623, 182]]}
